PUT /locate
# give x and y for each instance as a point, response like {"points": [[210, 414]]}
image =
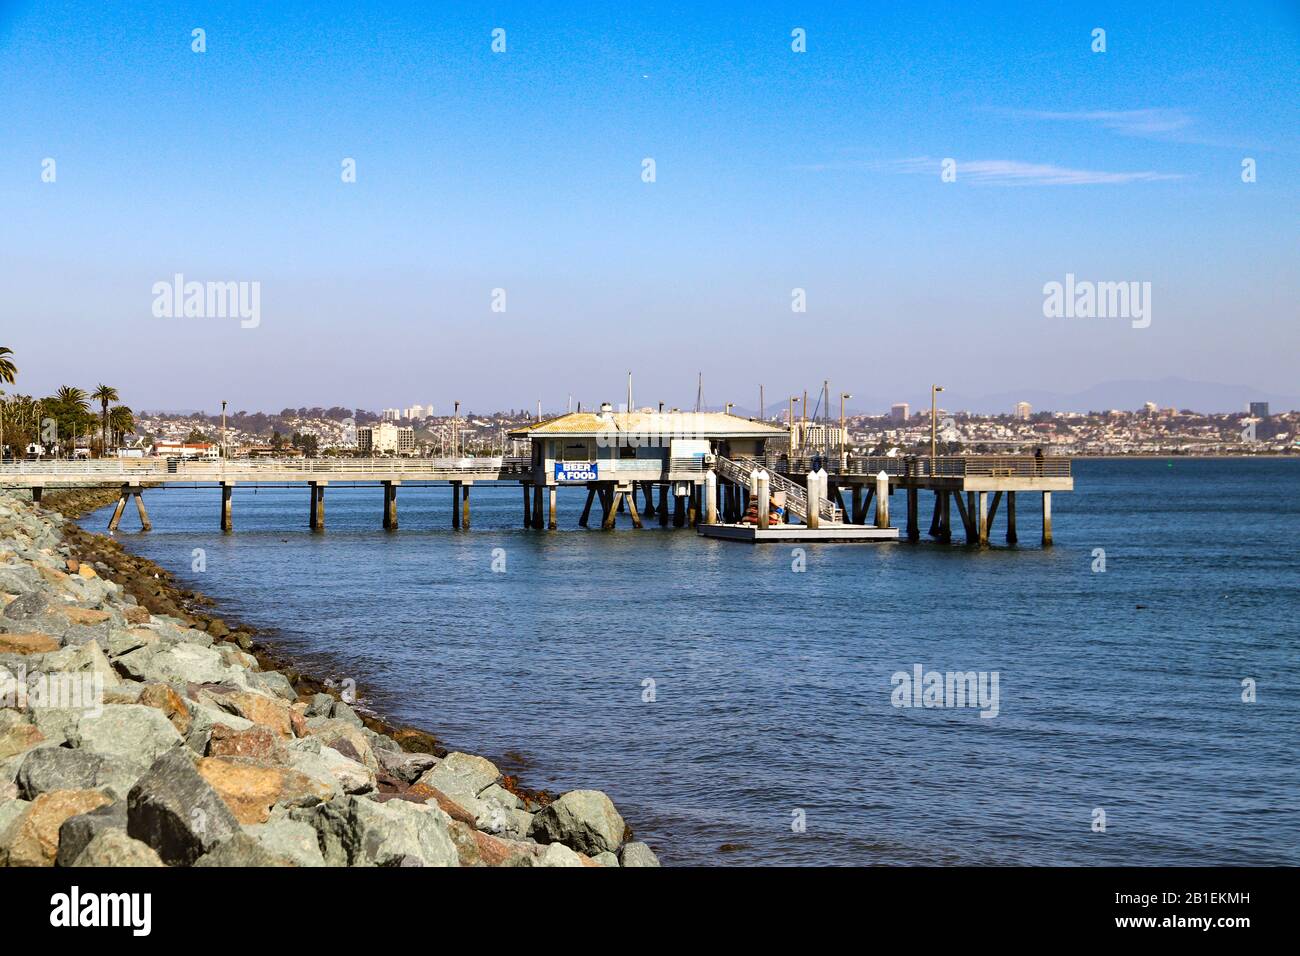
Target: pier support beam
{"points": [[882, 500], [813, 483], [227, 497], [139, 508], [464, 505], [693, 508], [36, 494], [982, 517], [528, 518], [116, 519], [913, 524], [679, 510], [967, 519], [938, 512], [537, 507], [1047, 518], [663, 505], [390, 505], [764, 502], [586, 509], [613, 499], [550, 521], [631, 507], [945, 516], [1012, 538], [317, 518], [648, 490], [711, 498], [855, 516]]}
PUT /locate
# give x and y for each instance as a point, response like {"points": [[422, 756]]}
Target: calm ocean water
{"points": [[772, 689]]}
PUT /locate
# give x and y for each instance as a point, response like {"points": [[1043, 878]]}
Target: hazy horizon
{"points": [[522, 171]]}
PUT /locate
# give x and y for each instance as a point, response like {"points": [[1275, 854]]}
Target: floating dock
{"points": [[797, 533]]}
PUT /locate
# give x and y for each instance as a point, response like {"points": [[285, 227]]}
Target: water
{"points": [[772, 689]]}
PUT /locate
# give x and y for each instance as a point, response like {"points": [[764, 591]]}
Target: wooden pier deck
{"points": [[705, 490]]}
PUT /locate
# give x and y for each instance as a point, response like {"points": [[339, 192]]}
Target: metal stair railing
{"points": [[796, 496]]}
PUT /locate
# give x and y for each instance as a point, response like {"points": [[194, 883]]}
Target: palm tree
{"points": [[75, 408], [121, 421], [8, 370], [104, 394]]}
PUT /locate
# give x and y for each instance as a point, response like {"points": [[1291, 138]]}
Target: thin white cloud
{"points": [[1148, 122], [1001, 172]]}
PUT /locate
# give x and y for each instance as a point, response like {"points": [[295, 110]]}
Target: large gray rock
{"points": [[174, 810], [241, 850], [582, 819], [637, 854], [10, 810], [131, 732], [76, 832], [45, 769], [84, 658], [288, 839], [116, 849], [355, 831], [557, 854], [203, 717], [461, 774], [404, 766], [179, 663]]}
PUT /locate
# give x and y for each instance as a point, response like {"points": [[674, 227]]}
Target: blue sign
{"points": [[575, 471]]}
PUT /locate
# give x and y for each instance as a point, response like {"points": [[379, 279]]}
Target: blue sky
{"points": [[775, 170]]}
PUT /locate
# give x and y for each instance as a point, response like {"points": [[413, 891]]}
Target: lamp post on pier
{"points": [[933, 423], [844, 436], [223, 430]]}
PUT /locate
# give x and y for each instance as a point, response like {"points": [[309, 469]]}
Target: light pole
{"points": [[844, 451], [793, 399], [223, 431], [933, 425], [455, 431]]}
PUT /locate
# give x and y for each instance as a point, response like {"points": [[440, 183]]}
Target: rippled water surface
{"points": [[772, 689]]}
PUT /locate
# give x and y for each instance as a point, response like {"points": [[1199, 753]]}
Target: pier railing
{"points": [[947, 466]]}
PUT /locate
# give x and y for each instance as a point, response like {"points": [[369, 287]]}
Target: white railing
{"points": [[796, 496]]}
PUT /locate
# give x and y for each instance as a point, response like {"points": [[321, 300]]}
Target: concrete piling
{"points": [[227, 496], [316, 519], [882, 500], [390, 505], [711, 497], [1012, 537], [763, 498], [1047, 518]]}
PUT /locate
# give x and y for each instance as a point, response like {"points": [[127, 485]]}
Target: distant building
{"points": [[1259, 409], [900, 412], [385, 438], [1150, 408], [392, 414], [183, 449], [418, 413], [819, 435], [1023, 410]]}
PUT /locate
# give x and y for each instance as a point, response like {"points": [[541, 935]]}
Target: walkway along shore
{"points": [[138, 730]]}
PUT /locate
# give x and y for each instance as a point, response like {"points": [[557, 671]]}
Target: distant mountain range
{"points": [[1127, 394]]}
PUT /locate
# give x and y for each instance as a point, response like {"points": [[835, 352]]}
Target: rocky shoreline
{"points": [[137, 729]]}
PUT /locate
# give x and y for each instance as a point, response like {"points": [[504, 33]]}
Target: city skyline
{"points": [[783, 179]]}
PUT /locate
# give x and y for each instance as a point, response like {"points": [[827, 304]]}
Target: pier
{"points": [[727, 477]]}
